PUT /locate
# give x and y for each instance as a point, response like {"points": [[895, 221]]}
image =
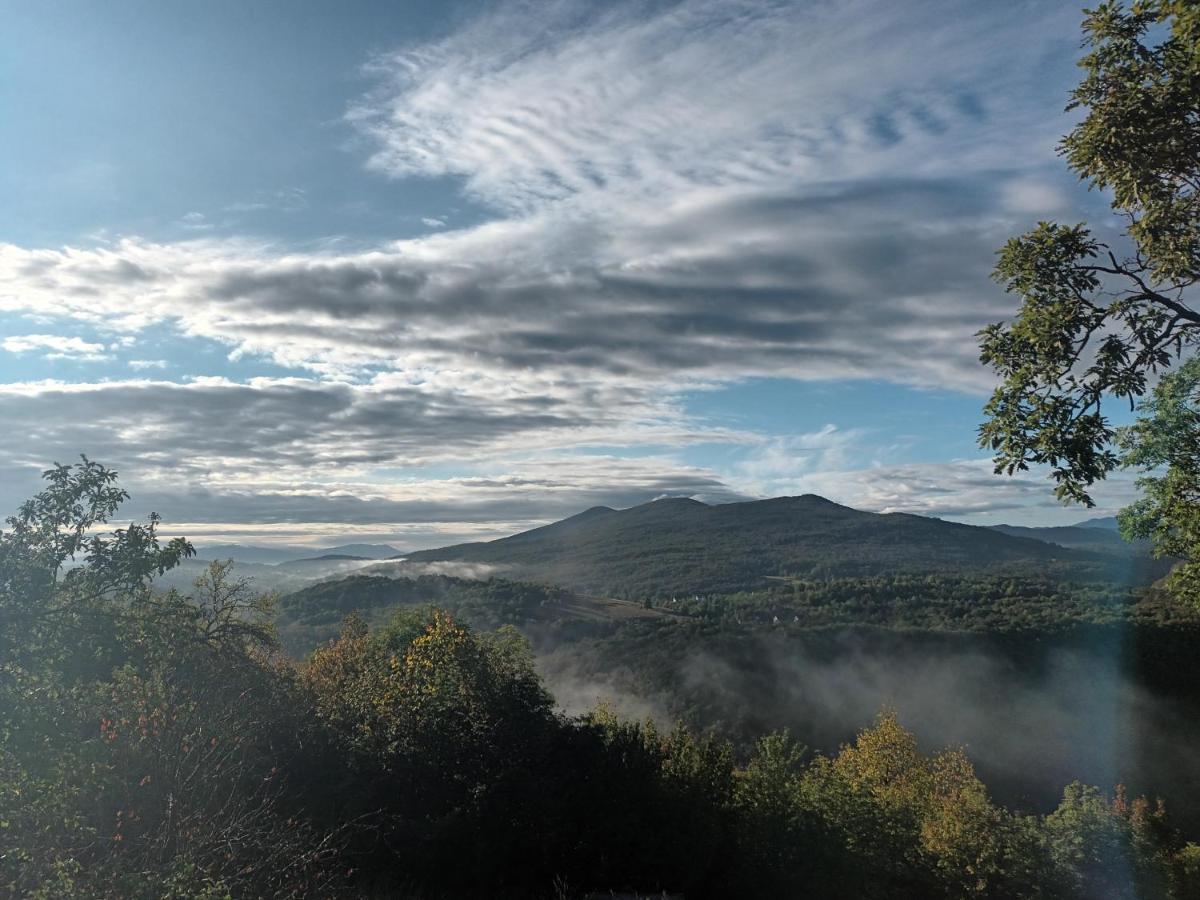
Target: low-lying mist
{"points": [[1033, 714], [296, 574], [403, 568]]}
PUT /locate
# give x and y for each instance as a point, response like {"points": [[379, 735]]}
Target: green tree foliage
{"points": [[312, 615], [1165, 445], [1097, 320], [141, 735], [450, 725], [1108, 847], [987, 604], [41, 596]]}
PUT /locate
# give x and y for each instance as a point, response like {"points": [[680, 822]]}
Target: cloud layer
{"points": [[681, 195]]}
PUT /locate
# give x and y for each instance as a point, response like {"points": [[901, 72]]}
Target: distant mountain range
{"points": [[1080, 537], [273, 556], [1102, 537], [278, 568], [1108, 523], [684, 546]]}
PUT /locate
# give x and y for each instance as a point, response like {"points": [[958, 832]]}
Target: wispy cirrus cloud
{"points": [[285, 199], [536, 103]]}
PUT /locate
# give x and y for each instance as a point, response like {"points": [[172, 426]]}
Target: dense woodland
{"points": [[938, 602], [313, 615], [161, 745]]}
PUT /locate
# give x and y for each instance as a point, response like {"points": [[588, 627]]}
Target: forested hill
{"points": [[680, 546], [1136, 557]]}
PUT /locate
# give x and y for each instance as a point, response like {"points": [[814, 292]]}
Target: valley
{"points": [[1024, 644]]}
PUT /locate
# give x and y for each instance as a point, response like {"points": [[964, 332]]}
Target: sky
{"points": [[424, 272]]}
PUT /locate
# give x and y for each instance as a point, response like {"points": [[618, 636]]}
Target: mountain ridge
{"points": [[680, 545], [271, 556]]}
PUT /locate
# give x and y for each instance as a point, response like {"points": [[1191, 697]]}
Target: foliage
{"points": [[990, 604], [1165, 445], [140, 735], [1108, 846], [1097, 321], [40, 594], [312, 615]]}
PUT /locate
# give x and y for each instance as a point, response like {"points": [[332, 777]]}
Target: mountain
{"points": [[243, 553], [287, 575], [1076, 536], [682, 546], [361, 551], [1107, 523], [326, 557], [272, 556], [1136, 556]]}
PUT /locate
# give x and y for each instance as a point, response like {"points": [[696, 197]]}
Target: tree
{"points": [[41, 592], [145, 737], [1109, 847], [445, 727], [1165, 445], [1097, 320]]}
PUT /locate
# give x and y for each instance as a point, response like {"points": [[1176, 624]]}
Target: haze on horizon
{"points": [[421, 273]]}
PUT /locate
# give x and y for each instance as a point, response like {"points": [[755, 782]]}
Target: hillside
{"points": [[682, 546], [1081, 537], [1140, 566], [1105, 523], [313, 614]]}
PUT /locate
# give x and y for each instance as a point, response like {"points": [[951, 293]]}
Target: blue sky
{"points": [[424, 271], [124, 118]]}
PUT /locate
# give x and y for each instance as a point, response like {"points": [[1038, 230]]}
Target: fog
{"points": [[468, 571], [296, 574], [1033, 717]]}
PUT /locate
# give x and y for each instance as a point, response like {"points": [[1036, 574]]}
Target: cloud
{"points": [[828, 462], [776, 464], [881, 280], [433, 223], [961, 489], [682, 195], [705, 190], [301, 480], [140, 365], [195, 221], [53, 346], [1034, 197], [337, 494], [534, 103], [286, 199], [272, 433]]}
